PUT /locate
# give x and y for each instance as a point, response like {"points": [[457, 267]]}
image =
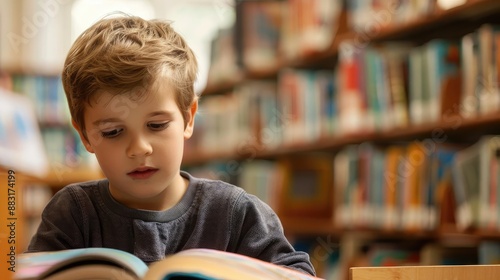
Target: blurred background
{"points": [[371, 127], [38, 34]]}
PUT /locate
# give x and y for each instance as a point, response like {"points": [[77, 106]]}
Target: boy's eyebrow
{"points": [[104, 121], [111, 120], [158, 113]]}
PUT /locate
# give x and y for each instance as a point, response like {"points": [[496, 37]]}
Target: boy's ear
{"points": [[188, 131], [85, 142]]}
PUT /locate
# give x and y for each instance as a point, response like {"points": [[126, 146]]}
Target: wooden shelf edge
{"points": [[324, 226], [332, 143], [421, 24], [308, 226]]}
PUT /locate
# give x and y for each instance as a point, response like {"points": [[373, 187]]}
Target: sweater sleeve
{"points": [[258, 233], [61, 224]]}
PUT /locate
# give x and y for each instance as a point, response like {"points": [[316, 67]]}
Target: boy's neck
{"points": [[163, 201]]}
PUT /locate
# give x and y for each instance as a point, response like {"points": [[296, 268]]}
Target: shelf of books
{"points": [[39, 149], [373, 129]]}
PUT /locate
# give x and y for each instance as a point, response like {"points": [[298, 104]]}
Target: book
{"points": [[475, 186], [223, 58], [308, 26], [353, 115], [469, 56], [307, 105], [488, 89], [263, 179], [346, 183], [466, 188], [21, 145], [489, 252], [442, 61], [393, 187], [261, 23], [480, 74], [107, 263], [396, 59]]}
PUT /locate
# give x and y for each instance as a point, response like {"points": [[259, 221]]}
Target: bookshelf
{"points": [[19, 214], [449, 125], [64, 159]]}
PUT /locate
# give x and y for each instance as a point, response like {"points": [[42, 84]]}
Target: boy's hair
{"points": [[127, 55]]}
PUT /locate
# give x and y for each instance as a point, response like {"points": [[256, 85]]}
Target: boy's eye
{"points": [[158, 126], [111, 133]]}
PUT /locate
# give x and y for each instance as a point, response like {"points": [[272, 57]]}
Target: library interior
{"points": [[372, 128]]}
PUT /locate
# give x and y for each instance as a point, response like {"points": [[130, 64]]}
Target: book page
{"points": [[34, 265], [93, 271], [212, 264]]}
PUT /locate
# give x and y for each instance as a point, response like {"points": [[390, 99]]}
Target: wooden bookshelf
{"points": [[13, 209], [473, 12], [25, 216], [450, 127], [52, 120], [447, 234], [454, 129]]}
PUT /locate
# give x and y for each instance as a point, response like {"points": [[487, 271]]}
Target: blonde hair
{"points": [[127, 55]]}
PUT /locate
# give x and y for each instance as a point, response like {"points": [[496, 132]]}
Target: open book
{"points": [[105, 263]]}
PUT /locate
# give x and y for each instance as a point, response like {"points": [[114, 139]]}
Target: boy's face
{"points": [[139, 146]]}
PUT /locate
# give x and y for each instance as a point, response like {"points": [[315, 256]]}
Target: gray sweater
{"points": [[212, 214]]}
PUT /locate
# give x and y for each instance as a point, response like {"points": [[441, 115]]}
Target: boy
{"points": [[129, 85]]}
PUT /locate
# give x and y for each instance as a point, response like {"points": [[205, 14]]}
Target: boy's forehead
{"points": [[107, 100], [160, 87], [161, 83]]}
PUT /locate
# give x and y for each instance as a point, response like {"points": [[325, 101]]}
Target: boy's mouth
{"points": [[142, 172]]}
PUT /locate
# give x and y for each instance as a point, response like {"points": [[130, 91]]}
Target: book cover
{"points": [[346, 183], [291, 104], [392, 187], [466, 185], [490, 145], [469, 99], [354, 115], [416, 92], [488, 90]]}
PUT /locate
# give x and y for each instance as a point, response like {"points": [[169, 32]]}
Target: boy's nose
{"points": [[138, 147]]}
